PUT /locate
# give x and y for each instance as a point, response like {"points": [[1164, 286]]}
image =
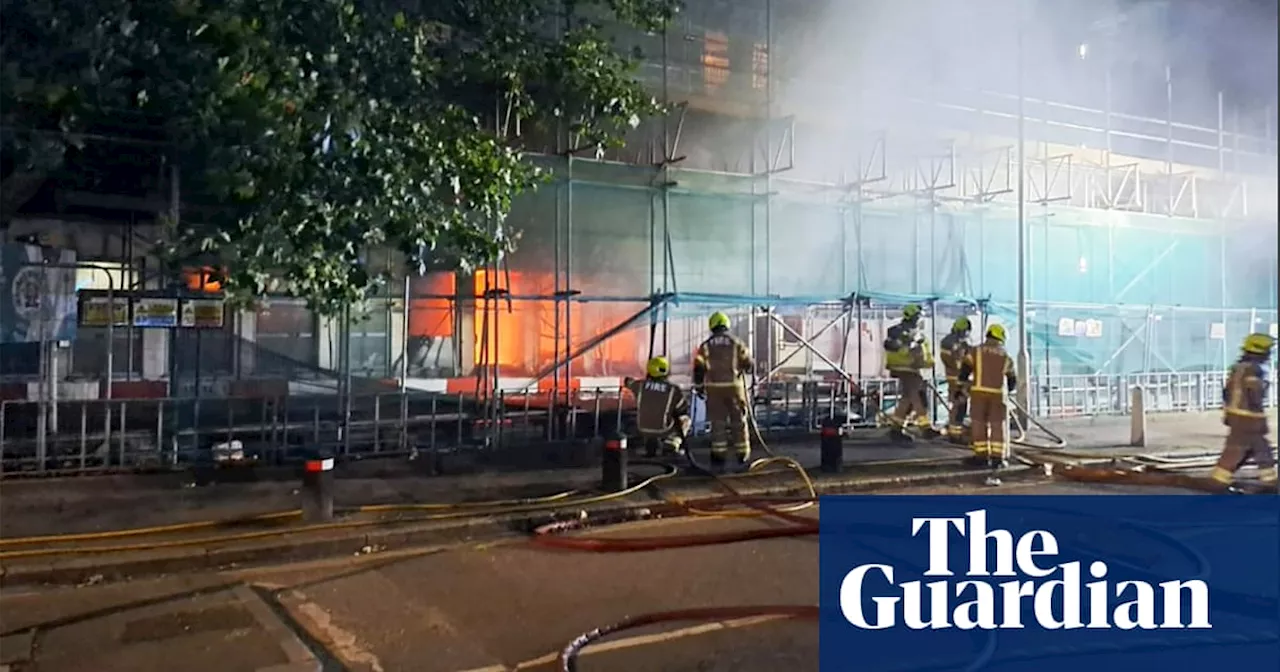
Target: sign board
{"points": [[152, 312], [203, 313], [1093, 328], [97, 311], [37, 294], [1066, 327], [1218, 331]]}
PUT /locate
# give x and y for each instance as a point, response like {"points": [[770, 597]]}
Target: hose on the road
{"points": [[569, 656], [445, 512]]}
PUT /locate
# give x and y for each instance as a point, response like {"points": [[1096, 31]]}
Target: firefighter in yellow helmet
{"points": [[719, 367], [1244, 414], [992, 373], [662, 410], [906, 352], [953, 348]]}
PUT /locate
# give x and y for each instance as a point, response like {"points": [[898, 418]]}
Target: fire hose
{"points": [[797, 526]]}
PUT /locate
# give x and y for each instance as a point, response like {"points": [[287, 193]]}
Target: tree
{"points": [[312, 132]]}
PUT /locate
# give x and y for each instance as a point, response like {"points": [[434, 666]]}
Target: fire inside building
{"points": [[1118, 220]]}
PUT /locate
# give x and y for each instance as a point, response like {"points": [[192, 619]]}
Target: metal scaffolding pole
{"points": [[1023, 359]]}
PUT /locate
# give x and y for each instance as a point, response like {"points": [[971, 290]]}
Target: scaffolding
{"points": [[1136, 261], [1130, 254], [1145, 263]]}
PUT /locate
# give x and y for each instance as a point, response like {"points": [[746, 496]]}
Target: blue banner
{"points": [[1047, 583], [37, 302]]}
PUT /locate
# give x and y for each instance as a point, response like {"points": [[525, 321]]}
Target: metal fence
{"points": [[130, 434]]}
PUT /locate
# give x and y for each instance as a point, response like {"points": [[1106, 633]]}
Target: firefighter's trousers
{"points": [[727, 414], [989, 422], [913, 401], [1242, 445], [958, 398], [670, 440]]}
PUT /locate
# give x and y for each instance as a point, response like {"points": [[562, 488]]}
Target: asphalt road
{"points": [[495, 609]]}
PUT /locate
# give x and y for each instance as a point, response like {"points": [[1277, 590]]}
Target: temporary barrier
{"points": [[111, 434]]}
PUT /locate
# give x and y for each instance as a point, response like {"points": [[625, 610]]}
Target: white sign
{"points": [[1218, 331], [1066, 327], [1093, 328], [155, 312]]}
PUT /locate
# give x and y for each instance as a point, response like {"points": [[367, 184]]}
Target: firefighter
{"points": [[662, 410], [953, 348], [906, 353], [1244, 414], [989, 365], [719, 368]]}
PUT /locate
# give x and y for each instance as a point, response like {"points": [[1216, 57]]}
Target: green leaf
{"points": [[315, 136]]}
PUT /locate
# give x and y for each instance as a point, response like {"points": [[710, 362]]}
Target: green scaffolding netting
{"points": [[1107, 291]]}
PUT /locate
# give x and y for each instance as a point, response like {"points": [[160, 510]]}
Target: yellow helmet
{"points": [[658, 367], [718, 320], [1258, 344], [996, 332], [910, 311], [961, 325]]}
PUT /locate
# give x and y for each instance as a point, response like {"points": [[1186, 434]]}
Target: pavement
{"points": [[421, 513], [500, 607]]}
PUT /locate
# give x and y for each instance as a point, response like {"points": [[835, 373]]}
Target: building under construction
{"points": [[809, 198]]}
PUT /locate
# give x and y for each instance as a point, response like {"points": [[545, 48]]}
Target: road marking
{"points": [[632, 642], [258, 575], [293, 648], [344, 644]]}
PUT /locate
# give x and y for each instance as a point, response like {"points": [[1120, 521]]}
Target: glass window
{"points": [[370, 339], [89, 353], [285, 330], [105, 275], [715, 60], [759, 66]]}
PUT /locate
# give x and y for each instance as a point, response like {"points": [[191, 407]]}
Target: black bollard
{"points": [[613, 465], [317, 490], [832, 446]]}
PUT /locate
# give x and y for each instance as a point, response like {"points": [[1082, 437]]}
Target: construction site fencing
{"points": [[176, 433]]}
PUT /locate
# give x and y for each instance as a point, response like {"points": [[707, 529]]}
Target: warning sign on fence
{"points": [[202, 313], [155, 312]]}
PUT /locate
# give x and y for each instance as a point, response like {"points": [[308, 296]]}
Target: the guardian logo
{"points": [[1055, 592]]}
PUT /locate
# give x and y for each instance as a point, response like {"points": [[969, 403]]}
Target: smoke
{"points": [[872, 58]]}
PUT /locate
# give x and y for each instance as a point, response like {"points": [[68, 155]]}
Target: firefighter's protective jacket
{"points": [[989, 365], [906, 350], [1244, 397], [660, 405], [952, 349], [721, 361]]}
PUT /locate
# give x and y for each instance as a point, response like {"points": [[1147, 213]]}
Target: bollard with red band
{"points": [[613, 465], [831, 446], [317, 489]]}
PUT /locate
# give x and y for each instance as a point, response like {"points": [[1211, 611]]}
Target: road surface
{"points": [[488, 609]]}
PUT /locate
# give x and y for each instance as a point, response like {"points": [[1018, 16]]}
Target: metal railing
{"points": [[170, 433]]}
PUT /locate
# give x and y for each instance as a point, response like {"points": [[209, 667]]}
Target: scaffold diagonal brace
{"points": [[655, 303], [806, 342]]}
